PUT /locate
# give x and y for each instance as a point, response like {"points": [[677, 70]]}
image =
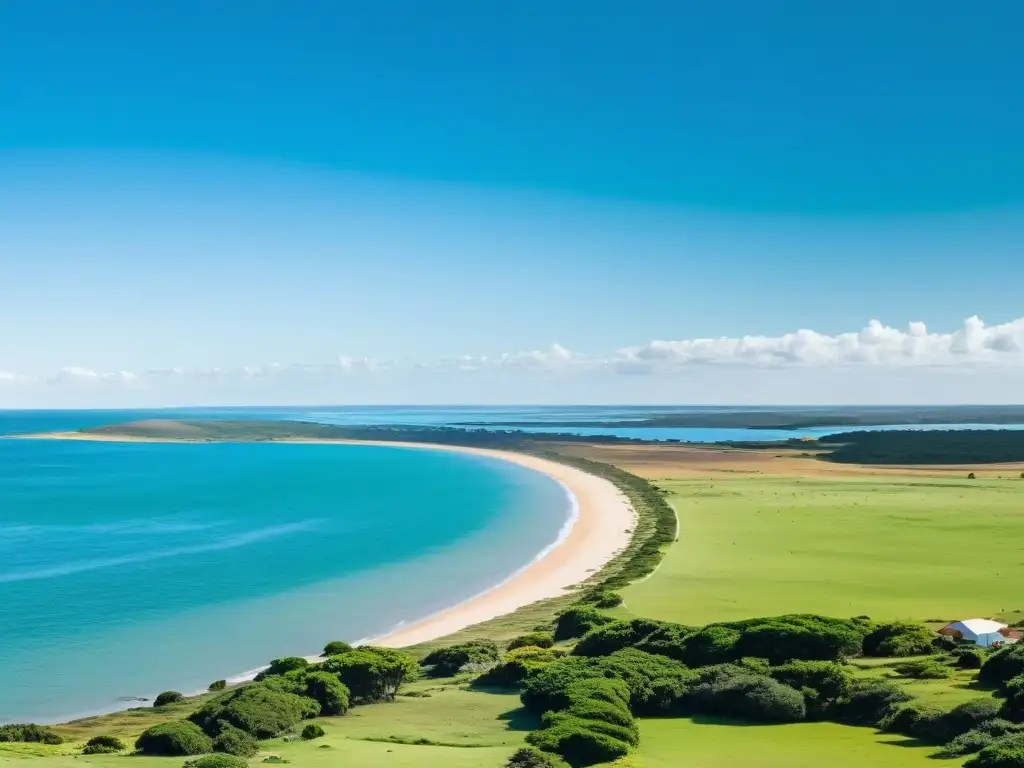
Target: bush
{"points": [[822, 683], [103, 745], [971, 714], [604, 598], [531, 757], [748, 697], [578, 744], [234, 741], [969, 658], [260, 710], [312, 731], [336, 648], [709, 646], [372, 674], [167, 697], [577, 620], [869, 701], [1013, 706], [966, 744], [533, 639], [799, 636], [921, 721], [445, 662], [30, 733], [282, 667], [545, 689], [517, 665], [655, 683], [899, 639], [328, 691], [1004, 664], [1006, 752], [174, 739], [218, 685], [217, 761], [925, 669]]}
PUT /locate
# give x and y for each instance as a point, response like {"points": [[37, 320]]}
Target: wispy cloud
{"points": [[973, 345]]}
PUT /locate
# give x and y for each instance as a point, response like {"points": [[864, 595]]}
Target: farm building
{"points": [[983, 632]]}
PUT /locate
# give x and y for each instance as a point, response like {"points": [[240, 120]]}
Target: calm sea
{"points": [[128, 569]]}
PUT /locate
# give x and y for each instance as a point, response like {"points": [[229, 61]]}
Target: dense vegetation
{"points": [[954, 446], [29, 733]]}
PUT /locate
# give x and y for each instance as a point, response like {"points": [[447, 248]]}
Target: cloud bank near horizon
{"points": [[972, 348]]}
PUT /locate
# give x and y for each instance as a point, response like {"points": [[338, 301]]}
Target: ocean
{"points": [[129, 569]]}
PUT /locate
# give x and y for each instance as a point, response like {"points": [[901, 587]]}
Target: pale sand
{"points": [[603, 528]]}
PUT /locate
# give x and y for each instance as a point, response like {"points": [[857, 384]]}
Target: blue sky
{"points": [[416, 201]]}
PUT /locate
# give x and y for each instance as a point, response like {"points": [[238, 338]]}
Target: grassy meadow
{"points": [[889, 547]]}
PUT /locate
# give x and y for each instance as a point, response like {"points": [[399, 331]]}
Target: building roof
{"points": [[978, 626]]}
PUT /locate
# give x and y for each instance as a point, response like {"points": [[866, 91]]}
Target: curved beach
{"points": [[602, 528]]}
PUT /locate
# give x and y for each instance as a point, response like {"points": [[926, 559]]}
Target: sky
{"points": [[474, 202]]}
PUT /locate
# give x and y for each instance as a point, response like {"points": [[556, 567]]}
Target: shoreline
{"points": [[600, 526]]}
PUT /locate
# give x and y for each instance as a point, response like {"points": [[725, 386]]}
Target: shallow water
{"points": [[127, 569]]}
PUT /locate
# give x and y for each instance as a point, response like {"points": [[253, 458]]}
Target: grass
{"points": [[888, 547], [452, 727], [709, 743]]}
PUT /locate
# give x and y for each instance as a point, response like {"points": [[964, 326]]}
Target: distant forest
{"points": [[799, 418], [952, 446]]}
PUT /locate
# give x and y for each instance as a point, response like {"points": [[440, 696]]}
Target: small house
{"points": [[983, 632]]}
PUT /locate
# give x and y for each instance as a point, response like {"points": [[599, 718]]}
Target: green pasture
{"points": [[887, 547], [706, 743]]}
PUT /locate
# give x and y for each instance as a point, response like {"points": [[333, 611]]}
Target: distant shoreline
{"points": [[604, 521]]}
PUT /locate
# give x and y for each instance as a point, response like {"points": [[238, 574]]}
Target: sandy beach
{"points": [[603, 526]]}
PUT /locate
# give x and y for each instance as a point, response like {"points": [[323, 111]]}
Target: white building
{"points": [[983, 632]]}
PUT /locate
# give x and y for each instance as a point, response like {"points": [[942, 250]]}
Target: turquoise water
{"points": [[127, 569]]}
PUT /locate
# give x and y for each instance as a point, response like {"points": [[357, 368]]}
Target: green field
{"points": [[459, 728], [887, 547], [710, 744]]}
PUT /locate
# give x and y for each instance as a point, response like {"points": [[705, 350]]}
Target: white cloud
{"points": [[876, 349], [876, 344]]}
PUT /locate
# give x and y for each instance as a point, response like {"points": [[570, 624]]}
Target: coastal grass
{"points": [[710, 743], [889, 547]]}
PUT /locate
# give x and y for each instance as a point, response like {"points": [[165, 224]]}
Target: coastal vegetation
{"points": [[950, 446], [668, 674]]}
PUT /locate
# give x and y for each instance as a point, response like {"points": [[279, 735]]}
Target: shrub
{"points": [[217, 761], [517, 665], [327, 690], [709, 646], [577, 620], [372, 674], [260, 710], [1004, 664], [234, 741], [445, 662], [578, 744], [748, 697], [969, 658], [799, 636], [218, 685], [922, 721], [312, 731], [103, 745], [899, 639], [604, 598], [1006, 752], [336, 648], [533, 639], [971, 714], [531, 757], [822, 683], [869, 701], [655, 682], [925, 669], [544, 689], [167, 697], [29, 732], [283, 666], [174, 739], [1013, 707], [966, 744]]}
